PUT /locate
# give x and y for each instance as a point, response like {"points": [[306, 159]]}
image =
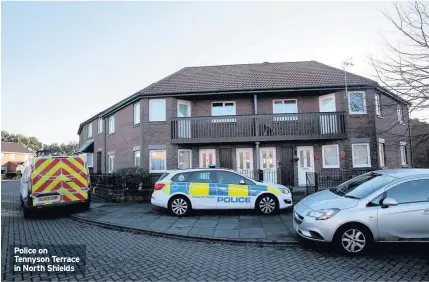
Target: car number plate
{"points": [[48, 198]]}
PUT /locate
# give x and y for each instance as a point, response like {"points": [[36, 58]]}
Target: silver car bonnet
{"points": [[326, 199]]}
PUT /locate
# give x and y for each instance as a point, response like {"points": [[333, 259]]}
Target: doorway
{"points": [[305, 163]]}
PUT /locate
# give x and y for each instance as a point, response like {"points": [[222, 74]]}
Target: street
{"points": [[116, 255]]}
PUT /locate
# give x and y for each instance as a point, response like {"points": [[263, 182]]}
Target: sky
{"points": [[63, 62]]}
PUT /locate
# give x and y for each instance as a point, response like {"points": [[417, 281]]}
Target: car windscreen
{"points": [[362, 186]]}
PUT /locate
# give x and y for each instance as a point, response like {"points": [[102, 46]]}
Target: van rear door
{"points": [[59, 180]]}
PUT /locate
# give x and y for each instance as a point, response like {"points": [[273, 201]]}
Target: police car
{"points": [[183, 190]]}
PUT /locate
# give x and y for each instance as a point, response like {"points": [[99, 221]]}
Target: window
{"points": [[111, 124], [360, 155], [157, 160], [89, 159], [157, 110], [223, 109], [137, 158], [330, 156], [410, 192], [403, 151], [100, 125], [12, 156], [181, 177], [111, 163], [184, 159], [382, 152], [2, 155], [90, 130], [203, 176], [285, 107], [357, 103], [137, 113], [377, 105], [224, 177], [400, 114]]}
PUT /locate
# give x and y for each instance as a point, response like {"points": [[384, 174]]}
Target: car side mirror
{"points": [[242, 181], [389, 202], [24, 180]]}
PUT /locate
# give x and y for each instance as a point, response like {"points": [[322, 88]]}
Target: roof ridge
{"points": [[247, 64]]}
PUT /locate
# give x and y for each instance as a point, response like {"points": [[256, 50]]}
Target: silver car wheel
{"points": [[267, 205], [353, 240], [179, 206]]}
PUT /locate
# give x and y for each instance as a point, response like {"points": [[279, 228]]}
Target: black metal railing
{"points": [[326, 179], [238, 128], [263, 175]]}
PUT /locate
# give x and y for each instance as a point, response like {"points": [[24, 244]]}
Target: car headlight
{"points": [[284, 190], [323, 214]]}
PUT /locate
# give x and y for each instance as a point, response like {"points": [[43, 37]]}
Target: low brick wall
{"points": [[118, 196]]}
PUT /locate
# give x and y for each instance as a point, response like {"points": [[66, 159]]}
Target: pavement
{"points": [[113, 255], [242, 226]]}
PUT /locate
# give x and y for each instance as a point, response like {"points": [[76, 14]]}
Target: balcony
{"points": [[245, 128]]}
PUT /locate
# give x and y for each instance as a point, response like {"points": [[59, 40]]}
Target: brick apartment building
{"points": [[13, 156], [284, 118]]}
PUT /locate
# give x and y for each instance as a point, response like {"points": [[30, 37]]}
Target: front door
{"points": [[184, 125], [225, 158], [328, 122], [305, 163], [269, 164], [207, 158], [287, 166], [409, 219], [245, 161]]}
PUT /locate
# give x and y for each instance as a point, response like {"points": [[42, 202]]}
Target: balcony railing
{"points": [[301, 126]]}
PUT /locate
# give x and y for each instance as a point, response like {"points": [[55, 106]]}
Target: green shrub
{"points": [[134, 179]]}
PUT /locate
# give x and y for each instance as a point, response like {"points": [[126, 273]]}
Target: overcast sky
{"points": [[64, 62]]}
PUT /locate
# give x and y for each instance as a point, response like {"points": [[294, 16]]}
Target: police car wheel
{"points": [[267, 204], [179, 206]]}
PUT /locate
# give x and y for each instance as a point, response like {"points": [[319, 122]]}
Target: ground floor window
{"points": [[330, 156], [207, 158], [184, 159], [360, 155], [137, 158], [382, 152], [111, 163], [89, 159], [157, 161], [403, 151]]}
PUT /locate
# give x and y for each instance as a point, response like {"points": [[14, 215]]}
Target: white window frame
{"points": [[364, 103], [90, 130], [403, 153], [134, 155], [150, 161], [12, 156], [294, 116], [400, 113], [190, 156], [223, 105], [377, 100], [111, 124], [382, 152], [100, 126], [111, 168], [91, 157], [151, 119], [338, 156], [369, 156], [136, 113]]}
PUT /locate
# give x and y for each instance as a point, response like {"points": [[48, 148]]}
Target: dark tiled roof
{"points": [[13, 147], [264, 76]]}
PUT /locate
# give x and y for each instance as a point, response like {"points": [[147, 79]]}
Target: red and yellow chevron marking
{"points": [[63, 175]]}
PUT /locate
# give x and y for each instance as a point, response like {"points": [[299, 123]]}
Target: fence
{"points": [[316, 181], [266, 175]]}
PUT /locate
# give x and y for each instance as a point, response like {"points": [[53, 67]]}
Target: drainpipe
{"points": [[410, 140], [255, 105], [105, 145]]}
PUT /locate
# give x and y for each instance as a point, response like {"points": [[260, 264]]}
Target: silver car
{"points": [[384, 205]]}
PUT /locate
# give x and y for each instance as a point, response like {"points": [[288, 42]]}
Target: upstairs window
{"points": [[90, 130], [100, 125], [157, 110], [400, 114], [285, 107], [137, 113], [403, 152], [223, 109], [357, 103], [377, 105], [382, 152], [111, 124]]}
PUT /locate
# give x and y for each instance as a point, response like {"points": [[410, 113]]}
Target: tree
{"points": [[405, 70]]}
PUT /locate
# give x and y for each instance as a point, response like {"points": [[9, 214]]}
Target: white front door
{"points": [[184, 126], [328, 122], [245, 161], [269, 164], [305, 163], [207, 158]]}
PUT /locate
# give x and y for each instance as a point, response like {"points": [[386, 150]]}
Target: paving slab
{"points": [[222, 225]]}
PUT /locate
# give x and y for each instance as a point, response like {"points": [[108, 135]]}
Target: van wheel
{"points": [[179, 206], [353, 239], [266, 204], [27, 212]]}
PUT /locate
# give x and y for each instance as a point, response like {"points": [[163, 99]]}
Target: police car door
{"points": [[232, 191], [202, 190]]}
